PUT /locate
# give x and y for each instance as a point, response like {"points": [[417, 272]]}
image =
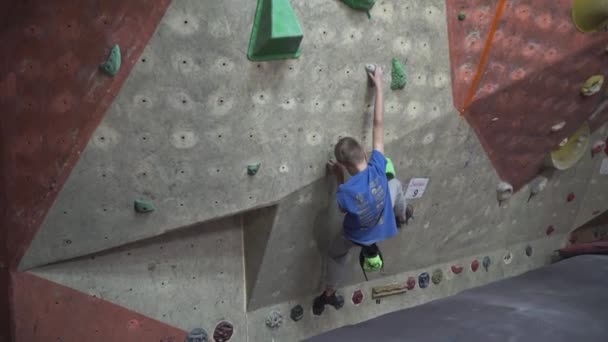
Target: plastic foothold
{"points": [[297, 313], [549, 230], [197, 335], [423, 280], [529, 250], [504, 191], [437, 276], [474, 265], [457, 269], [399, 77], [357, 297], [112, 64], [252, 169], [570, 197], [142, 206], [507, 258], [592, 85], [223, 331], [411, 283], [274, 319], [276, 32], [486, 262], [537, 185], [597, 147], [370, 68], [558, 126], [462, 16]]}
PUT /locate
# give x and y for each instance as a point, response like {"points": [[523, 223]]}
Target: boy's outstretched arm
{"points": [[378, 131]]}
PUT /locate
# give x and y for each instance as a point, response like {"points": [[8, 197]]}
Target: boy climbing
{"points": [[373, 205]]}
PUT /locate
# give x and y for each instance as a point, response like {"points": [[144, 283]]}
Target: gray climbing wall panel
{"points": [[191, 118]]}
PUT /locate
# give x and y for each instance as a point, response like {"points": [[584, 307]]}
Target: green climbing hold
{"points": [[399, 77], [390, 169], [252, 169], [112, 64], [363, 5], [437, 276], [462, 16], [276, 32], [142, 206]]}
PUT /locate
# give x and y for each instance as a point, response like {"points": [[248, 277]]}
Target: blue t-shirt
{"points": [[367, 202]]}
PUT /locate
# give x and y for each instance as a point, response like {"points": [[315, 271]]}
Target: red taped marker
{"points": [[457, 269], [474, 265], [411, 283], [570, 197], [550, 230]]}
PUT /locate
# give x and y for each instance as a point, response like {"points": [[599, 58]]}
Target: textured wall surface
{"points": [[224, 246]]}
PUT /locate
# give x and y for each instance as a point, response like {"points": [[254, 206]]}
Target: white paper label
{"points": [[604, 167], [416, 187]]}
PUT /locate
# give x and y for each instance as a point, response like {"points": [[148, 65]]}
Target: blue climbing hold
{"points": [[423, 280], [197, 335]]}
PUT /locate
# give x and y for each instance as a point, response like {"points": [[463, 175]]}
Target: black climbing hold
{"points": [[297, 313], [252, 169], [437, 276], [274, 319], [462, 16], [529, 250], [142, 206], [197, 335], [486, 263], [112, 64], [223, 331], [423, 280]]}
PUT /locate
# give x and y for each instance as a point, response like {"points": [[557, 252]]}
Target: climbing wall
{"points": [[186, 116]]}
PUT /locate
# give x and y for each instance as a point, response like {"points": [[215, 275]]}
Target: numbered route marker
{"points": [[416, 187], [604, 167]]}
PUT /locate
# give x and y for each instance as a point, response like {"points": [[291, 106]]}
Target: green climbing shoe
{"points": [[373, 264]]}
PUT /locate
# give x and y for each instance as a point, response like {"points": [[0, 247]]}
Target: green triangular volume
{"points": [[276, 32]]}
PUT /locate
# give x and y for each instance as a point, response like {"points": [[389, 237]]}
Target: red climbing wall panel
{"points": [[52, 97], [58, 313], [535, 64]]}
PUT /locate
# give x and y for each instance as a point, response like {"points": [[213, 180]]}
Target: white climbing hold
{"points": [[504, 191], [274, 320], [563, 142], [537, 185], [558, 127], [370, 68]]}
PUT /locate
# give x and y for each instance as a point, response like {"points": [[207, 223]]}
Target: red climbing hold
{"points": [[357, 297], [570, 197], [550, 230], [474, 265], [411, 283], [457, 269]]}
